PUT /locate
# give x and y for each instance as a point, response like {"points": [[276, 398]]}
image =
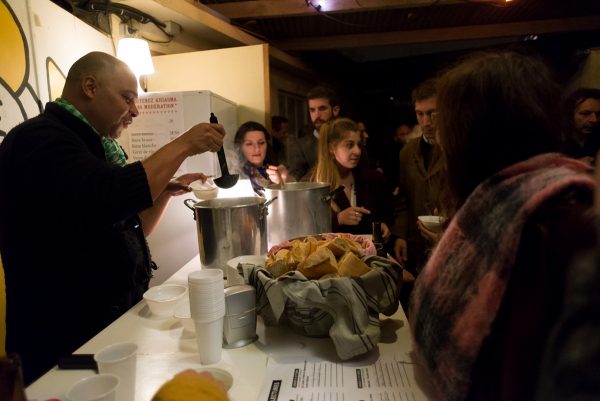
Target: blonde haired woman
{"points": [[366, 197]]}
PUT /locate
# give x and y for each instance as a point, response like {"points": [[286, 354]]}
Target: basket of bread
{"points": [[330, 284]]}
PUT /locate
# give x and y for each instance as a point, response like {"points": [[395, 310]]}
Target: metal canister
{"points": [[239, 322]]}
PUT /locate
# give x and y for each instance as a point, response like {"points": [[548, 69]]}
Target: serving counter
{"points": [[165, 349]]}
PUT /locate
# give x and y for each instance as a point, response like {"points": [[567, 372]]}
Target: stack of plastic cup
{"points": [[207, 308]]}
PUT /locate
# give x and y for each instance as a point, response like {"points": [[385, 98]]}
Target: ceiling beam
{"points": [[286, 61], [441, 34], [196, 20], [293, 8]]}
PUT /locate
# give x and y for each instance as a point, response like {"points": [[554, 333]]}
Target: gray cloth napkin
{"points": [[346, 309]]}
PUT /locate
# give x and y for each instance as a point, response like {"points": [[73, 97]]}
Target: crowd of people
{"points": [[492, 289], [494, 309], [499, 309]]}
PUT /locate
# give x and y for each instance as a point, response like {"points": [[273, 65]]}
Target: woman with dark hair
{"points": [[485, 302], [366, 197], [251, 145]]}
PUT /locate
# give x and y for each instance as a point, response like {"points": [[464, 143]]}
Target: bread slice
{"points": [[278, 264], [340, 246], [279, 268], [351, 266], [319, 263]]}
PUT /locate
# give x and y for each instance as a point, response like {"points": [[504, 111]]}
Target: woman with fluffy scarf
{"points": [[485, 303]]}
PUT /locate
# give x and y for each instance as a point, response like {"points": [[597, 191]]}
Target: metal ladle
{"points": [[226, 180]]}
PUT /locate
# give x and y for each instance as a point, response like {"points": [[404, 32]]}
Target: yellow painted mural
{"points": [[13, 54], [18, 99], [33, 59]]}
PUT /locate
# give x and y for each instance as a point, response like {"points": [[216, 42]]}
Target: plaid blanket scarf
{"points": [[457, 295]]}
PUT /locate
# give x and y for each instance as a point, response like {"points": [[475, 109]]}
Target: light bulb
{"points": [[136, 53]]}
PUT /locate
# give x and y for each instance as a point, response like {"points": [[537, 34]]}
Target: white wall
{"points": [[239, 74]]}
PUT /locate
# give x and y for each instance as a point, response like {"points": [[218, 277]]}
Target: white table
{"points": [[163, 350]]}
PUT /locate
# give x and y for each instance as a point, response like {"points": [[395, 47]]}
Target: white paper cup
{"points": [[102, 387], [207, 309], [206, 293], [205, 276], [120, 360], [209, 337], [209, 316]]}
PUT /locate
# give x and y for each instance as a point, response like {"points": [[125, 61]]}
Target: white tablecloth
{"points": [[163, 350]]}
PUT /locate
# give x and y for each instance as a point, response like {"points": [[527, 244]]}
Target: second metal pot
{"points": [[301, 208]]}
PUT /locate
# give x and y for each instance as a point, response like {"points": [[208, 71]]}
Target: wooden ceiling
{"points": [[378, 50], [371, 30], [374, 51], [380, 47]]}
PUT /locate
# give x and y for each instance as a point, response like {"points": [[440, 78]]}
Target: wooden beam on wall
{"points": [[195, 19], [287, 8], [281, 58], [441, 34]]}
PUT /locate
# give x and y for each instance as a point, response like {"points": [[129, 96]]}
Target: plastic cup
{"points": [[209, 314], [206, 276], [207, 311], [209, 337], [207, 295], [120, 360], [102, 387]]}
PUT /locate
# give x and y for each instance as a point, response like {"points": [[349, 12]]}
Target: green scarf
{"points": [[112, 150]]}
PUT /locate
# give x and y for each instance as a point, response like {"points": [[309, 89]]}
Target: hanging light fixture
{"points": [[135, 52]]}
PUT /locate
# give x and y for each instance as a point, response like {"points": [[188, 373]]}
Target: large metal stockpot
{"points": [[300, 209], [229, 227]]}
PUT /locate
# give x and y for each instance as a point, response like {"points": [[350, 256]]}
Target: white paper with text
{"points": [[390, 378]]}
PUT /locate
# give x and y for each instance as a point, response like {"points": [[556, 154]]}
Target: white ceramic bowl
{"points": [[162, 299], [182, 313], [204, 190], [433, 223]]}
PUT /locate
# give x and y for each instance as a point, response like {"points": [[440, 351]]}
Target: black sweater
{"points": [[73, 249]]}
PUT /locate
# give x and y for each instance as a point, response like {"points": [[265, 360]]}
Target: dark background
{"points": [[378, 93]]}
